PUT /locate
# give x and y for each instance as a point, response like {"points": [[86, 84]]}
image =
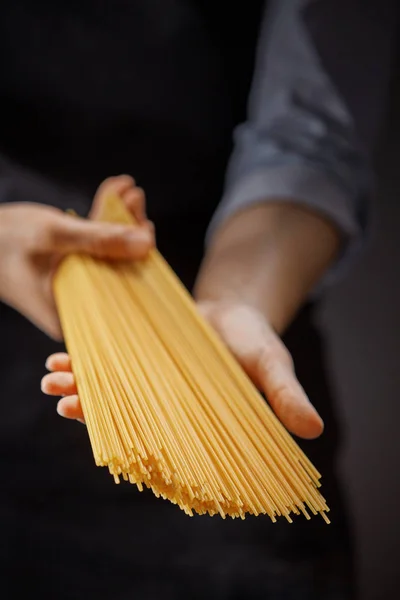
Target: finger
{"points": [[113, 186], [286, 396], [102, 240], [58, 384], [59, 362], [135, 201], [267, 362], [70, 408]]}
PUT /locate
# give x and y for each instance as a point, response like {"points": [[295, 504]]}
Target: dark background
{"points": [[361, 317]]}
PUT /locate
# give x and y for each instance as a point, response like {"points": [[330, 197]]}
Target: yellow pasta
{"points": [[166, 404]]}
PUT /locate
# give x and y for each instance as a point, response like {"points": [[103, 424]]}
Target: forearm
{"points": [[306, 138], [269, 256]]}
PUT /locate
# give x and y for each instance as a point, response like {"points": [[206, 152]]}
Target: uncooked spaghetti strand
{"points": [[199, 393], [143, 348], [223, 352], [181, 342], [109, 433], [117, 212]]}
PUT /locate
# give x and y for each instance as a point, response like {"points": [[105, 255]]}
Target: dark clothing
{"points": [[67, 531]]}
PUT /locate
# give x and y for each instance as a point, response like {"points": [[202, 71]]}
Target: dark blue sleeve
{"points": [[317, 99]]}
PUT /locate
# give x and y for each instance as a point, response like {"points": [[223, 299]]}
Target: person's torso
{"points": [[89, 89], [94, 88]]}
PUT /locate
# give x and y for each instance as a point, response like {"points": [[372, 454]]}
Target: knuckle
{"points": [[281, 395], [274, 354], [106, 242], [98, 244], [283, 402], [49, 235]]}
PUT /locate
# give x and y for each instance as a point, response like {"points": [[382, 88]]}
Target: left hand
{"points": [[257, 348]]}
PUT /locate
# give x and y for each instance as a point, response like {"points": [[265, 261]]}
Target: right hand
{"points": [[35, 237]]}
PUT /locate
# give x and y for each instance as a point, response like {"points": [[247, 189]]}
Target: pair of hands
{"points": [[34, 238]]}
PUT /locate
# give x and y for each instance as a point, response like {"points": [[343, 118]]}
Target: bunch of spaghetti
{"points": [[165, 403]]}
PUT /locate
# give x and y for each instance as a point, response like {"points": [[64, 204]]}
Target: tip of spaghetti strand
{"points": [[325, 518]]}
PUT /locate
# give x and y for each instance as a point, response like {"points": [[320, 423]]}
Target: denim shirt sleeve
{"points": [[302, 142]]}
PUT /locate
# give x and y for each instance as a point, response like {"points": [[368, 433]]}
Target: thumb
{"points": [[102, 240], [277, 378], [266, 360]]}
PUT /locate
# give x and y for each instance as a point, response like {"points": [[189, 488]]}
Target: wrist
{"points": [[270, 257]]}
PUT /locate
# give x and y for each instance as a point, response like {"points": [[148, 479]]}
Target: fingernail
{"points": [[43, 385], [60, 409]]}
